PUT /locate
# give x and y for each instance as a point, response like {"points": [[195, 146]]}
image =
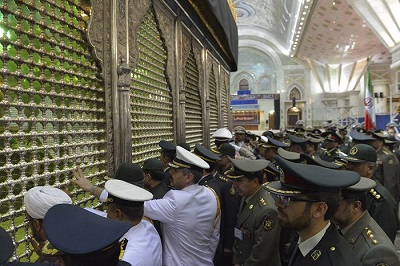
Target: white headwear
{"points": [[38, 200]]}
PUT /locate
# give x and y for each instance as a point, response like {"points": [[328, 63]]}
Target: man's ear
{"points": [[356, 206], [118, 214], [319, 210], [189, 178], [37, 225]]}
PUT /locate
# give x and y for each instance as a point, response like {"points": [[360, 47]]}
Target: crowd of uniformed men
{"points": [[301, 197]]}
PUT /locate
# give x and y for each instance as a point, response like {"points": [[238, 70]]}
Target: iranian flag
{"points": [[369, 102]]}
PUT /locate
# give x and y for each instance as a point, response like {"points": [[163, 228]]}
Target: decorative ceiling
{"points": [[325, 31]]}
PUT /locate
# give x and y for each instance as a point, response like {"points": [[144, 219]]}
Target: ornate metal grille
{"points": [[224, 104], [193, 109], [52, 106], [212, 85], [152, 114]]}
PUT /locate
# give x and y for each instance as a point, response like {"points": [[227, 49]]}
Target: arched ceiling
{"points": [[325, 31]]}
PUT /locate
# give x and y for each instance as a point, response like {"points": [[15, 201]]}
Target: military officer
{"points": [[268, 147], [230, 200], [84, 237], [380, 203], [189, 214], [153, 171], [167, 154], [370, 243], [298, 144], [257, 231], [331, 149], [388, 170], [307, 196], [142, 244]]}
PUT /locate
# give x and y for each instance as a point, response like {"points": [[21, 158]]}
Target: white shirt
{"points": [[144, 245], [189, 225], [307, 245]]}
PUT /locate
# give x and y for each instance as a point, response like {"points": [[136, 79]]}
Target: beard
{"points": [[298, 224]]}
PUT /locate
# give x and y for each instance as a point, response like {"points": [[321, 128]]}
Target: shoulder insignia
{"points": [[390, 161], [218, 201], [222, 178], [385, 152], [315, 255], [370, 236], [232, 190], [251, 206], [268, 224], [122, 246], [262, 201], [375, 194]]}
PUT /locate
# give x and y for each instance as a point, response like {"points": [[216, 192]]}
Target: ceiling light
{"points": [[300, 28], [301, 23], [305, 7], [302, 18], [298, 32], [304, 12]]}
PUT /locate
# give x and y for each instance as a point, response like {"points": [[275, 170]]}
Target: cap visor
{"points": [[276, 187]]}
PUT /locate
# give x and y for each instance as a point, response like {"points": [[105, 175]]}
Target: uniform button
{"points": [[332, 248]]}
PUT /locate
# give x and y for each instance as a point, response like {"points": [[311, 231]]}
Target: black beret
{"points": [[227, 149], [131, 173], [167, 146], [153, 164], [297, 179], [74, 230]]}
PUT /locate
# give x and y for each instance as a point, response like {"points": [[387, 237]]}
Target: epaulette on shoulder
{"points": [[223, 178], [385, 152], [375, 194], [49, 250], [370, 236], [262, 201]]}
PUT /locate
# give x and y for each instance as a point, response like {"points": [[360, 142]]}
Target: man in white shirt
{"points": [[307, 196], [142, 242], [189, 215]]}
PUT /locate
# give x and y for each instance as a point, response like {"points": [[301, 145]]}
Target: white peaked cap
{"points": [[186, 159], [126, 191], [222, 133]]}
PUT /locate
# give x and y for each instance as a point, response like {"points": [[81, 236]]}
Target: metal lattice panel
{"points": [[52, 106], [193, 109], [152, 114], [212, 85], [224, 102]]}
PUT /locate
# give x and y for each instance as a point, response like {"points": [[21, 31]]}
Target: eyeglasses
{"points": [[285, 200]]}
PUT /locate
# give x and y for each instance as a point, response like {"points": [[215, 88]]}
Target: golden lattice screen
{"points": [[152, 115], [212, 86], [52, 106], [193, 108]]}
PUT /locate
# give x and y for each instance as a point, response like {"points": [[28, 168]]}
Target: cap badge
{"points": [[315, 255], [353, 150]]}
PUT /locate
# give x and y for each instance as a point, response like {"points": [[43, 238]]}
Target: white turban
{"points": [[38, 200]]}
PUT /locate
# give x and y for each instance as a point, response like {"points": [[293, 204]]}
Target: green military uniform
{"points": [[257, 232], [388, 172], [370, 243], [332, 249], [382, 207]]}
